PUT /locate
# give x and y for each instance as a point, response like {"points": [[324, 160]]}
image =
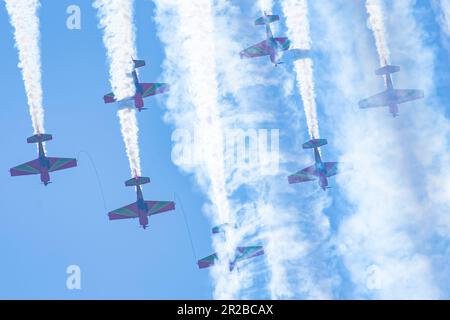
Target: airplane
{"points": [[43, 164], [241, 253], [272, 46], [143, 90], [140, 209], [320, 170], [390, 97]]}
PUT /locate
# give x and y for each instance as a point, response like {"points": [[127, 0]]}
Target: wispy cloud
{"points": [[381, 237], [230, 92], [116, 20], [187, 30], [444, 17], [24, 18], [265, 5]]}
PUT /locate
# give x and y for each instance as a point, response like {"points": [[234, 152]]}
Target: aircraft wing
{"points": [[248, 252], [155, 207], [378, 100], [109, 98], [332, 168], [61, 163], [258, 50], [31, 167], [407, 95], [207, 261], [307, 174], [150, 89], [127, 212]]}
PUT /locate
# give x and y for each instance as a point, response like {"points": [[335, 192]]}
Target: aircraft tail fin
{"points": [[314, 143], [387, 69], [266, 19], [138, 63], [137, 181], [39, 138]]}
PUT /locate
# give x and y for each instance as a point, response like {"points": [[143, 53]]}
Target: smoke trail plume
{"points": [[187, 30], [265, 5], [24, 19], [444, 20], [376, 23], [116, 20], [296, 13], [129, 129]]}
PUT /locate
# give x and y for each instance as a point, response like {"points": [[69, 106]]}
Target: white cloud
{"points": [[385, 224]]}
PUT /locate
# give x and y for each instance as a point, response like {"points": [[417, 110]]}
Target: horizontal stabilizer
{"points": [[138, 63], [39, 138], [266, 19], [314, 143], [109, 98], [137, 181], [387, 70], [222, 228]]}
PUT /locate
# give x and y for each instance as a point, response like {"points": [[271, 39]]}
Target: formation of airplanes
{"points": [[142, 209]]}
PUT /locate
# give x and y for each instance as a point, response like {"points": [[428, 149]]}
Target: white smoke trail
{"points": [[187, 30], [442, 9], [296, 13], [24, 19], [376, 23], [445, 7], [129, 129], [116, 20], [265, 5]]}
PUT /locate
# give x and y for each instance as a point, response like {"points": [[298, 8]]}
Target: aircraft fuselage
{"points": [[321, 170], [44, 165], [142, 208], [393, 107], [275, 51], [138, 99], [274, 47]]}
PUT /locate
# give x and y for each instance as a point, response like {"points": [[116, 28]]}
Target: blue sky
{"points": [[50, 228], [318, 245]]}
